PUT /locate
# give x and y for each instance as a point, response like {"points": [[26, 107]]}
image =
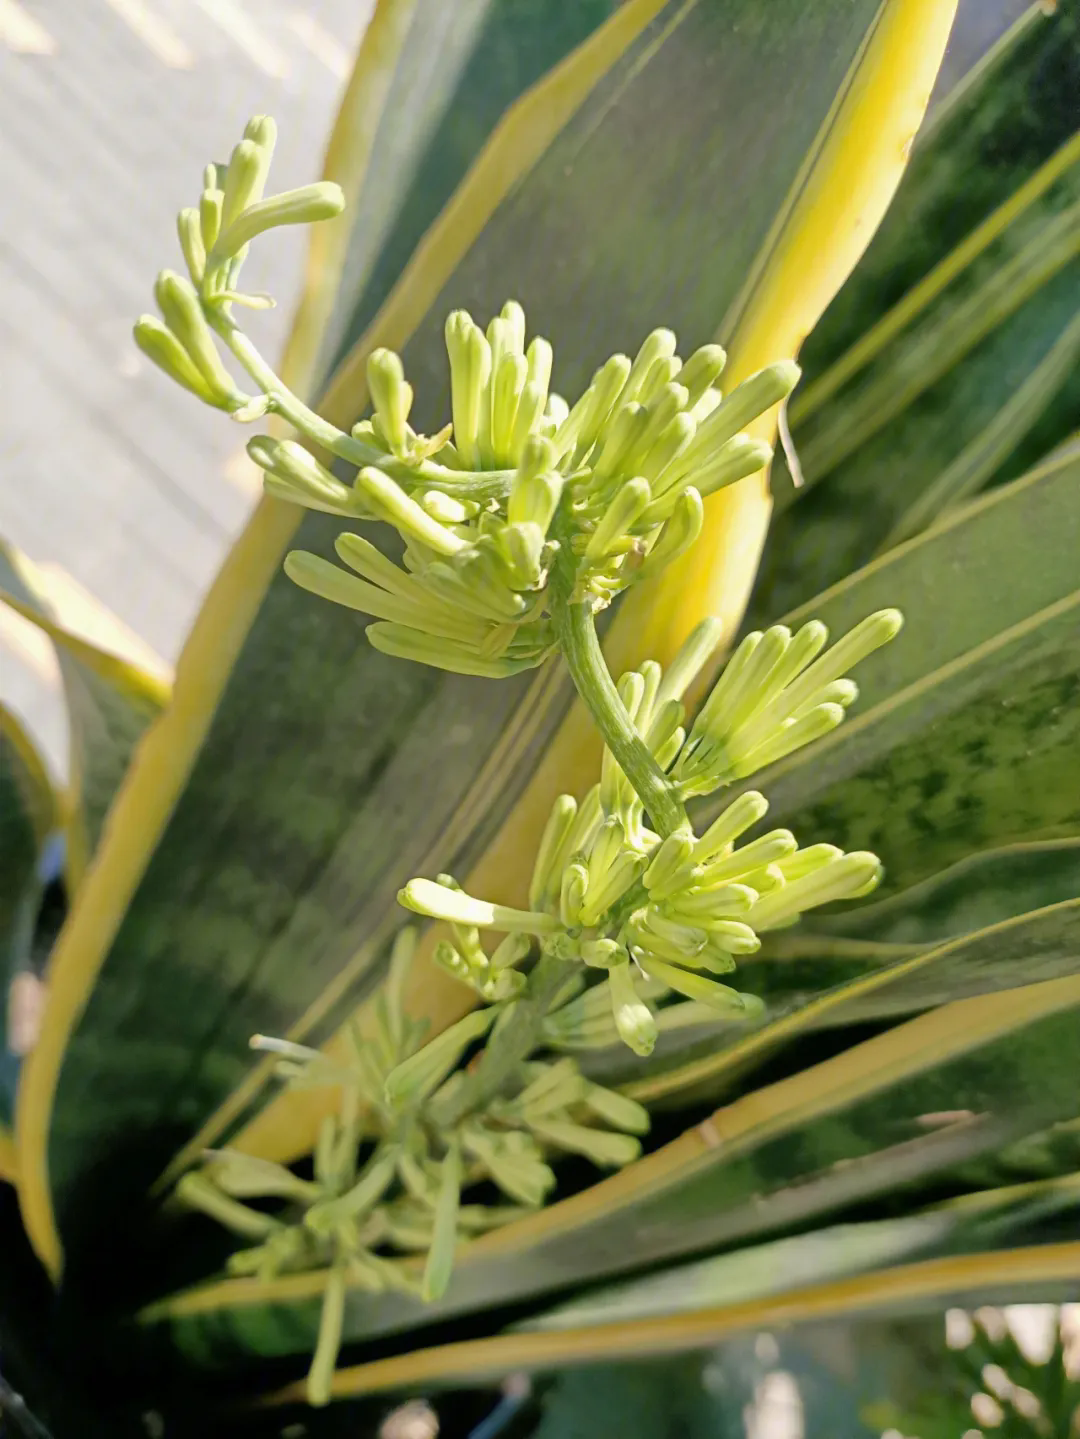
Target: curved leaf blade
{"points": [[110, 703], [956, 324], [1027, 949], [1042, 1273], [29, 813], [928, 1094]]}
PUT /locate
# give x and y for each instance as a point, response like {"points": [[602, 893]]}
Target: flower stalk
{"points": [[521, 519]]}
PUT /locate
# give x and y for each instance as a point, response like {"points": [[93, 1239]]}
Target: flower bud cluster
{"points": [[516, 486], [214, 238], [389, 1174], [664, 917], [617, 482]]}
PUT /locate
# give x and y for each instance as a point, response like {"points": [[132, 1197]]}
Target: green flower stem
{"points": [[575, 630], [283, 401], [510, 1044]]}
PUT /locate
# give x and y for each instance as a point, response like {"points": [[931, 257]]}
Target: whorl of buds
{"points": [[664, 917]]}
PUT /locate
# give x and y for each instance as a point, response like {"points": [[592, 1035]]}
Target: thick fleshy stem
{"points": [[575, 629]]}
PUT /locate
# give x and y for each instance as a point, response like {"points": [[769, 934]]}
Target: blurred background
{"points": [[108, 110]]}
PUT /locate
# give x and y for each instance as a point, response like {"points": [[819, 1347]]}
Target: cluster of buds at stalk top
{"points": [[611, 489], [665, 916], [516, 486], [386, 1207], [214, 239]]}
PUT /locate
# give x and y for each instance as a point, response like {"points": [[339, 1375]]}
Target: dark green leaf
{"points": [[920, 1099], [27, 816]]}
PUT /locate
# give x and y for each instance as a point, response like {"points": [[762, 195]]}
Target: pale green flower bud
{"points": [[522, 549], [304, 206], [244, 179], [513, 1161], [702, 370], [740, 457], [320, 577], [805, 861], [767, 849], [406, 643], [605, 849], [245, 1176], [620, 439], [415, 1078], [654, 931], [803, 647], [539, 357], [451, 962], [582, 430], [753, 397], [210, 203], [618, 519], [660, 344], [182, 311], [546, 877], [618, 1111], [440, 1260], [870, 634], [624, 871], [670, 861], [558, 1086], [812, 725], [390, 501], [159, 344], [189, 230], [470, 371], [661, 408], [263, 130], [681, 531], [660, 459], [575, 881], [454, 905], [600, 1145], [731, 824], [507, 384], [510, 951], [665, 722], [201, 1193], [392, 397], [602, 953], [702, 906], [730, 935], [849, 877], [444, 508], [633, 1018], [556, 411], [513, 324], [378, 1175], [693, 655], [720, 997], [300, 478], [527, 418]]}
